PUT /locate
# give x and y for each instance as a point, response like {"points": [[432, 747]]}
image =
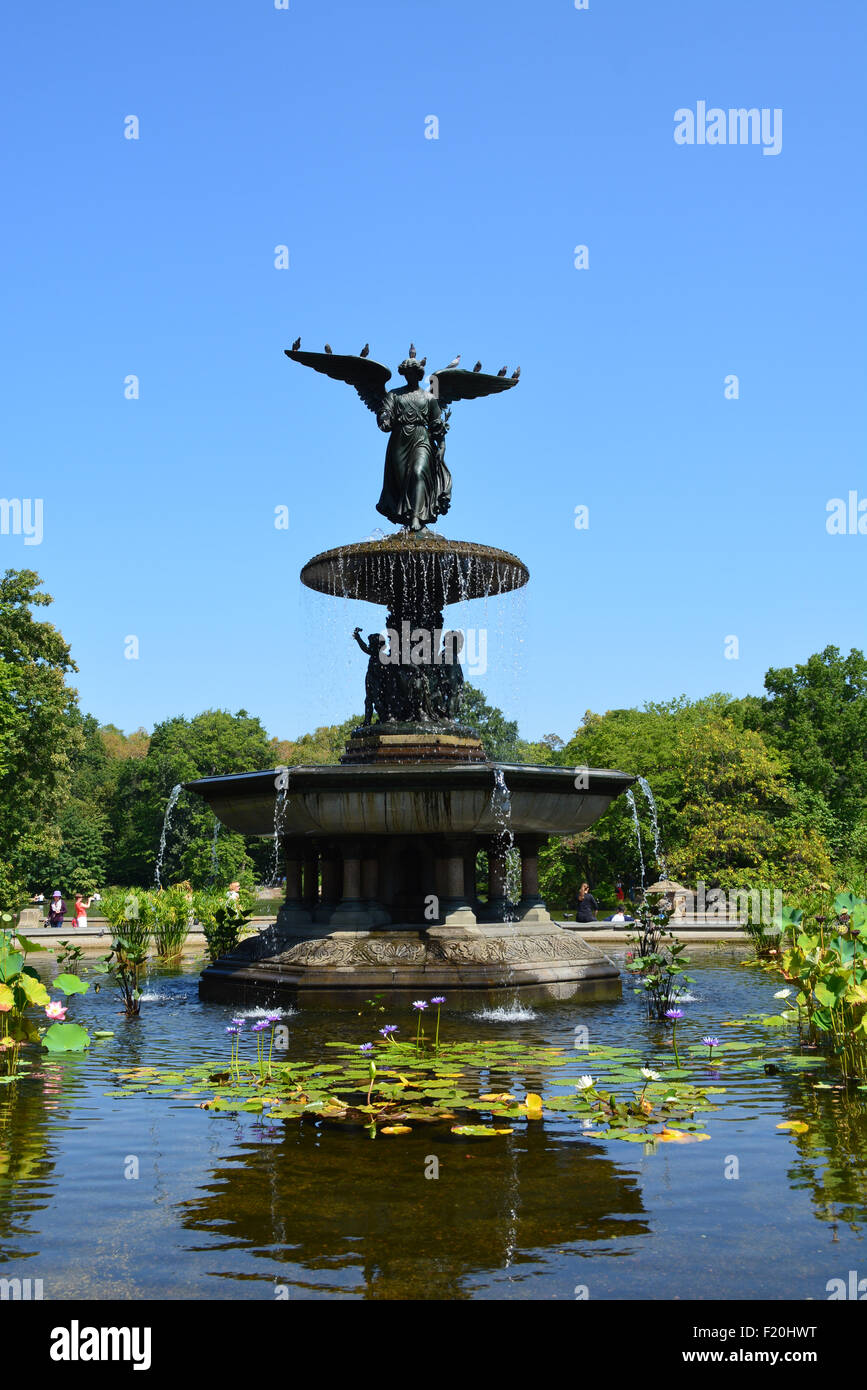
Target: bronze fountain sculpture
{"points": [[381, 850]]}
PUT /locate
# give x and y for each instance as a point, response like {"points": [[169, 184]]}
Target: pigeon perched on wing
{"points": [[328, 348], [296, 345], [477, 367], [516, 373], [502, 371], [365, 350], [455, 362]]}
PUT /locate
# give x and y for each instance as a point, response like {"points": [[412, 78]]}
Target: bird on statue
{"points": [[296, 345], [417, 485], [502, 371]]}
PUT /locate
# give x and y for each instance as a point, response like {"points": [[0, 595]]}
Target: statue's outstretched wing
{"points": [[454, 384], [368, 377]]}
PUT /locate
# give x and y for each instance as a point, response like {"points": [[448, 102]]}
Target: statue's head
{"points": [[412, 370]]}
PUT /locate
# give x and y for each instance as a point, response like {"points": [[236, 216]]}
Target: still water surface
{"points": [[231, 1207]]}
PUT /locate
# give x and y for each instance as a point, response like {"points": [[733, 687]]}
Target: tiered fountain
{"points": [[381, 850]]}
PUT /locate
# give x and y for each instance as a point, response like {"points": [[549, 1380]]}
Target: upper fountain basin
{"points": [[404, 568], [412, 799]]}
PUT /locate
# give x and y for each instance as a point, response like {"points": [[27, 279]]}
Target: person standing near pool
{"points": [[56, 909], [79, 912]]}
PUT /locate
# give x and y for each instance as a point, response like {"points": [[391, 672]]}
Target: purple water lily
{"points": [[366, 1047]]}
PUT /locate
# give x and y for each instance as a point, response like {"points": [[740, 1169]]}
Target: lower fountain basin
{"points": [[412, 799]]}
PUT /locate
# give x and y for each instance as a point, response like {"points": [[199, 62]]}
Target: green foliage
{"points": [[173, 917], [66, 1037], [222, 922], [181, 750], [816, 714], [38, 737], [827, 962], [657, 961], [499, 735], [123, 966]]}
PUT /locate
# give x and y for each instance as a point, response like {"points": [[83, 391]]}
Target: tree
{"points": [[38, 732], [211, 744], [816, 713], [499, 735], [739, 813]]}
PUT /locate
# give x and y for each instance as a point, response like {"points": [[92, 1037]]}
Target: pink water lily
{"points": [[55, 1010]]}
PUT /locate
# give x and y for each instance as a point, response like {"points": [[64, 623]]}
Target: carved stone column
{"points": [[294, 911], [531, 907], [332, 883], [352, 909], [498, 902], [370, 879], [456, 908]]}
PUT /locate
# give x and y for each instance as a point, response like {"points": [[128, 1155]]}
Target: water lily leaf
{"points": [[70, 984], [396, 1129], [796, 1126], [102, 1033], [678, 1136], [66, 1037], [34, 989], [498, 1096], [478, 1131]]}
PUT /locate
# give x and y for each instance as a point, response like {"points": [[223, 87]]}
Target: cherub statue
{"points": [[417, 486], [373, 682]]}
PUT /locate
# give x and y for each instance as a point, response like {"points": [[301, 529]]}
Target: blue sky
{"points": [[306, 127]]}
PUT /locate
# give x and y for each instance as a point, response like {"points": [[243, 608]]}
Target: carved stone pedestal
{"points": [[445, 957]]}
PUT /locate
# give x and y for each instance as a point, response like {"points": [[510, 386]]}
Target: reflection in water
{"points": [[363, 1216]]}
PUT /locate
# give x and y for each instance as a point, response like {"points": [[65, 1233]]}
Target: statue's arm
{"points": [[363, 645], [436, 423], [385, 414]]}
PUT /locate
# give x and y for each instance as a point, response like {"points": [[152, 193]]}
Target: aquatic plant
{"points": [[657, 962], [710, 1044], [222, 921], [130, 914], [827, 961], [419, 1005], [674, 1016], [123, 965], [439, 1000], [173, 918]]}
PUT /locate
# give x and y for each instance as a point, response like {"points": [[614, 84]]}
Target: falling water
{"points": [[657, 845], [501, 806], [634, 809], [281, 802], [176, 791]]}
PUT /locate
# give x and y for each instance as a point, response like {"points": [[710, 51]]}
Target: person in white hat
{"points": [[56, 909]]}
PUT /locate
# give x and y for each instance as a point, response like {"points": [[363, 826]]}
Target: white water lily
{"points": [[649, 1074], [782, 994], [585, 1083]]}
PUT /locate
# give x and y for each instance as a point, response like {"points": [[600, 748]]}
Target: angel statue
{"points": [[417, 486]]}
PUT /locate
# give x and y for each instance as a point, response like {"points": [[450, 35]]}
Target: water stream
{"points": [[176, 791], [654, 821]]}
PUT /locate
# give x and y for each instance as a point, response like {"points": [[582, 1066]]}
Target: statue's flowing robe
{"points": [[417, 486]]}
